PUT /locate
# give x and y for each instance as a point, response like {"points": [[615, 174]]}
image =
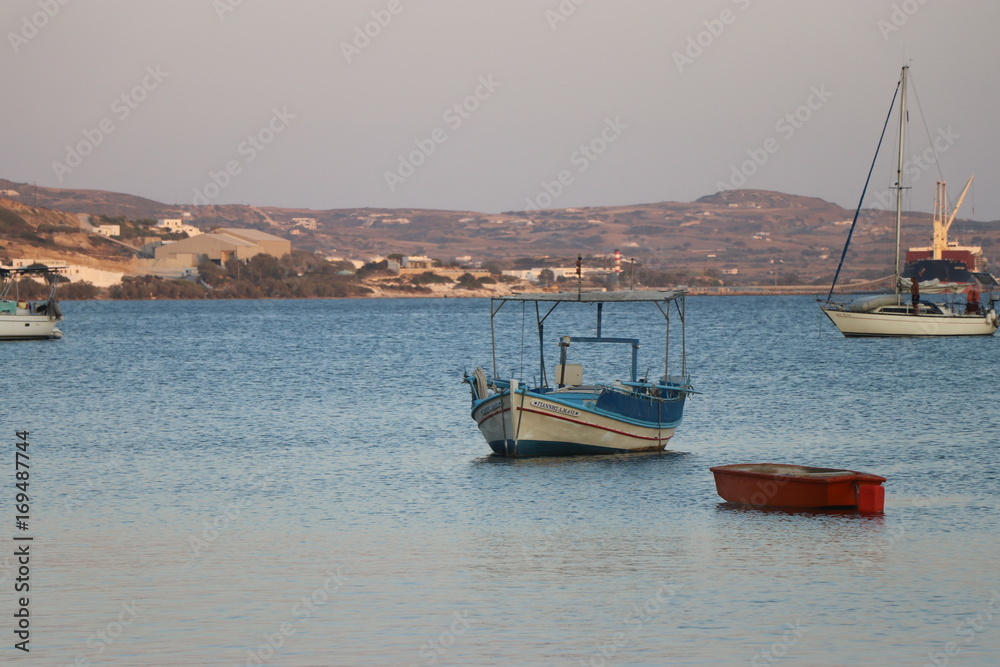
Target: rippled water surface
{"points": [[299, 483]]}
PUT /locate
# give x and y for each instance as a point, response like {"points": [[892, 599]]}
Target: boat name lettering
{"points": [[555, 408], [489, 408]]}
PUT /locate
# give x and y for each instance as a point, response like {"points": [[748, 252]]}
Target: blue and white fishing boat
{"points": [[566, 416]]}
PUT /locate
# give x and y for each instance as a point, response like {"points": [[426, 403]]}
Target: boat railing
{"points": [[574, 389], [648, 391]]}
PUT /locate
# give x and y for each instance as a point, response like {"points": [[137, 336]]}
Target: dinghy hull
{"points": [[794, 486]]}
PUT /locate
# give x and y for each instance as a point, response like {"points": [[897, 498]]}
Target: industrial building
{"points": [[222, 245]]}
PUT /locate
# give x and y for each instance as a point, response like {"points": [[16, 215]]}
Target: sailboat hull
{"points": [[892, 324], [27, 327]]}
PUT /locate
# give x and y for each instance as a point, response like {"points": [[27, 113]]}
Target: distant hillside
{"points": [[28, 232], [94, 202], [763, 236]]}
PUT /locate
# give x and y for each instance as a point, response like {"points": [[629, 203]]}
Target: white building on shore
{"points": [[177, 225], [76, 273]]}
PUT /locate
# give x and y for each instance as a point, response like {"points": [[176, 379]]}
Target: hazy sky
{"points": [[493, 106]]}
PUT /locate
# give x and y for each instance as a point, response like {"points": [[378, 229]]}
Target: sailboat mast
{"points": [[899, 170]]}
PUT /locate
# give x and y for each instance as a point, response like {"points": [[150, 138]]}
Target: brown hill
{"points": [[28, 232], [764, 236], [94, 202]]}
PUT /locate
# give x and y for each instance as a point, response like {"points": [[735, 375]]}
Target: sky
{"points": [[496, 106]]}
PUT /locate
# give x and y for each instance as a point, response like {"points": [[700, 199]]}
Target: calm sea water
{"points": [[299, 483]]}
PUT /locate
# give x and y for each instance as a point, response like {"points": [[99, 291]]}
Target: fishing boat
{"points": [[27, 320], [564, 415], [795, 486], [902, 314]]}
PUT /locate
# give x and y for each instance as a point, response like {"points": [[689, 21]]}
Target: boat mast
{"points": [[899, 170], [864, 191]]}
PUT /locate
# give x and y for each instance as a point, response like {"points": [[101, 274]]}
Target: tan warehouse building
{"points": [[222, 245]]}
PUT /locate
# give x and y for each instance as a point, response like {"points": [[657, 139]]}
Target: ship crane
{"points": [[942, 221]]}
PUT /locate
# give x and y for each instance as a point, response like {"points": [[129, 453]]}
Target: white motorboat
{"points": [[900, 314], [568, 416], [27, 320]]}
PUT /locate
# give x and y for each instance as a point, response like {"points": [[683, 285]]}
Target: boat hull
{"points": [[783, 485], [539, 426], [28, 327], [883, 324]]}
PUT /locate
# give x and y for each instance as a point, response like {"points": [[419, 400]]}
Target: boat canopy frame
{"points": [[662, 299], [10, 277]]}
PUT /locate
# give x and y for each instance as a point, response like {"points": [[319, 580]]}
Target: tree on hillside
{"points": [[429, 277], [468, 281], [373, 269], [298, 275], [78, 291]]}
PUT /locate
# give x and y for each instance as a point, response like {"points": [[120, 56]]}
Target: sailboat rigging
{"points": [[890, 314]]}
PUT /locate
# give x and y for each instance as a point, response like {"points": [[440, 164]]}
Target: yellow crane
{"points": [[942, 221]]}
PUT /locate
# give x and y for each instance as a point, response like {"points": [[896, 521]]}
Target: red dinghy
{"points": [[785, 485]]}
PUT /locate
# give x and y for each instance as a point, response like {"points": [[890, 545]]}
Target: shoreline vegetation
{"points": [[303, 275]]}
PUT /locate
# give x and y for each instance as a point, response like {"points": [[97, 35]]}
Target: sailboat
{"points": [[26, 320], [902, 314]]}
